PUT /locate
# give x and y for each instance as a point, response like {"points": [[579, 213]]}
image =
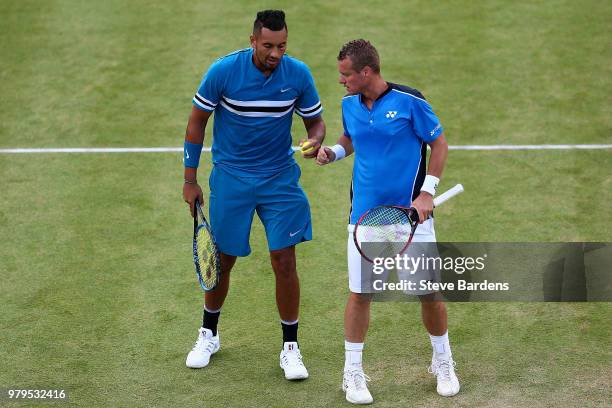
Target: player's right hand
{"points": [[424, 206], [191, 192], [310, 147], [325, 156]]}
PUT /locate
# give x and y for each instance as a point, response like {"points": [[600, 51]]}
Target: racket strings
{"points": [[208, 260], [384, 224], [383, 232]]}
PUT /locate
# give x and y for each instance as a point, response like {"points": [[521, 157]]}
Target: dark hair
{"points": [[271, 19], [362, 54]]}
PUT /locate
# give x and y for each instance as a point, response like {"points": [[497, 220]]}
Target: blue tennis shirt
{"points": [[253, 113], [390, 143]]}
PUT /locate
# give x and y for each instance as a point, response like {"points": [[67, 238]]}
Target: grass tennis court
{"points": [[98, 290]]}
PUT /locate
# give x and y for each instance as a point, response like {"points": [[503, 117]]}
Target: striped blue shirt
{"points": [[253, 112]]}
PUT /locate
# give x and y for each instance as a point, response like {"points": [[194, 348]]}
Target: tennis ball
{"points": [[306, 148]]}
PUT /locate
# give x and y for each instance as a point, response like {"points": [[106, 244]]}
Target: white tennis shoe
{"points": [[354, 384], [444, 371], [291, 362], [206, 345]]}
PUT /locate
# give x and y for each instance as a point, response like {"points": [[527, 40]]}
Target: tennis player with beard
{"points": [[253, 93]]}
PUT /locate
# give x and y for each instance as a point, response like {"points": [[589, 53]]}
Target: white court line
{"points": [[99, 150], [533, 147], [207, 149]]}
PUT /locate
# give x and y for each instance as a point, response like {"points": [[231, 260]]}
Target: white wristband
{"points": [[339, 151], [430, 184]]}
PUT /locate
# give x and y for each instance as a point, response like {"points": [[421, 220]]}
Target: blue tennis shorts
{"points": [[280, 202]]}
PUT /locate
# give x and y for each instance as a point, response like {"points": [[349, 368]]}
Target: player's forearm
{"points": [[315, 129], [196, 125], [194, 139], [346, 143], [191, 175], [437, 158], [195, 131], [195, 136]]}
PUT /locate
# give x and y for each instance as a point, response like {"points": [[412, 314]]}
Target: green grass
{"points": [[98, 290]]}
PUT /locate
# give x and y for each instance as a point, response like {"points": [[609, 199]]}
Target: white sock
{"points": [[352, 355], [441, 346]]}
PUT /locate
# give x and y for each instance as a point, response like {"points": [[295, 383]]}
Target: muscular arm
{"points": [[315, 129], [437, 159], [347, 143], [194, 134]]}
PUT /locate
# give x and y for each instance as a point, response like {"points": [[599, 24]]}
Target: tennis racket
{"points": [[388, 229], [205, 252]]}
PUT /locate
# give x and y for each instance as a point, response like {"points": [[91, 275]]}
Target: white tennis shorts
{"points": [[424, 233]]}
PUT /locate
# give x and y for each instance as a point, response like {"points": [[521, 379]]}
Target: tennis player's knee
{"points": [[283, 262], [361, 299], [227, 262]]}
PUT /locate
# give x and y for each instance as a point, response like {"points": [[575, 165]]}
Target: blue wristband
{"points": [[191, 154]]}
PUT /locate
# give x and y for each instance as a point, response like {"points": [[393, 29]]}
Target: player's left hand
{"points": [[310, 148], [424, 206]]}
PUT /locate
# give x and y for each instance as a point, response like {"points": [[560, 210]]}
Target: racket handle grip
{"points": [[447, 195], [413, 214]]}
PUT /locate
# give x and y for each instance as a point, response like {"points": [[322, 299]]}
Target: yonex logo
{"points": [[391, 114], [434, 130]]}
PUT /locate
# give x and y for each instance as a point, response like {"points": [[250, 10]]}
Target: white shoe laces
{"points": [[204, 344], [442, 369], [358, 379], [292, 358]]}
